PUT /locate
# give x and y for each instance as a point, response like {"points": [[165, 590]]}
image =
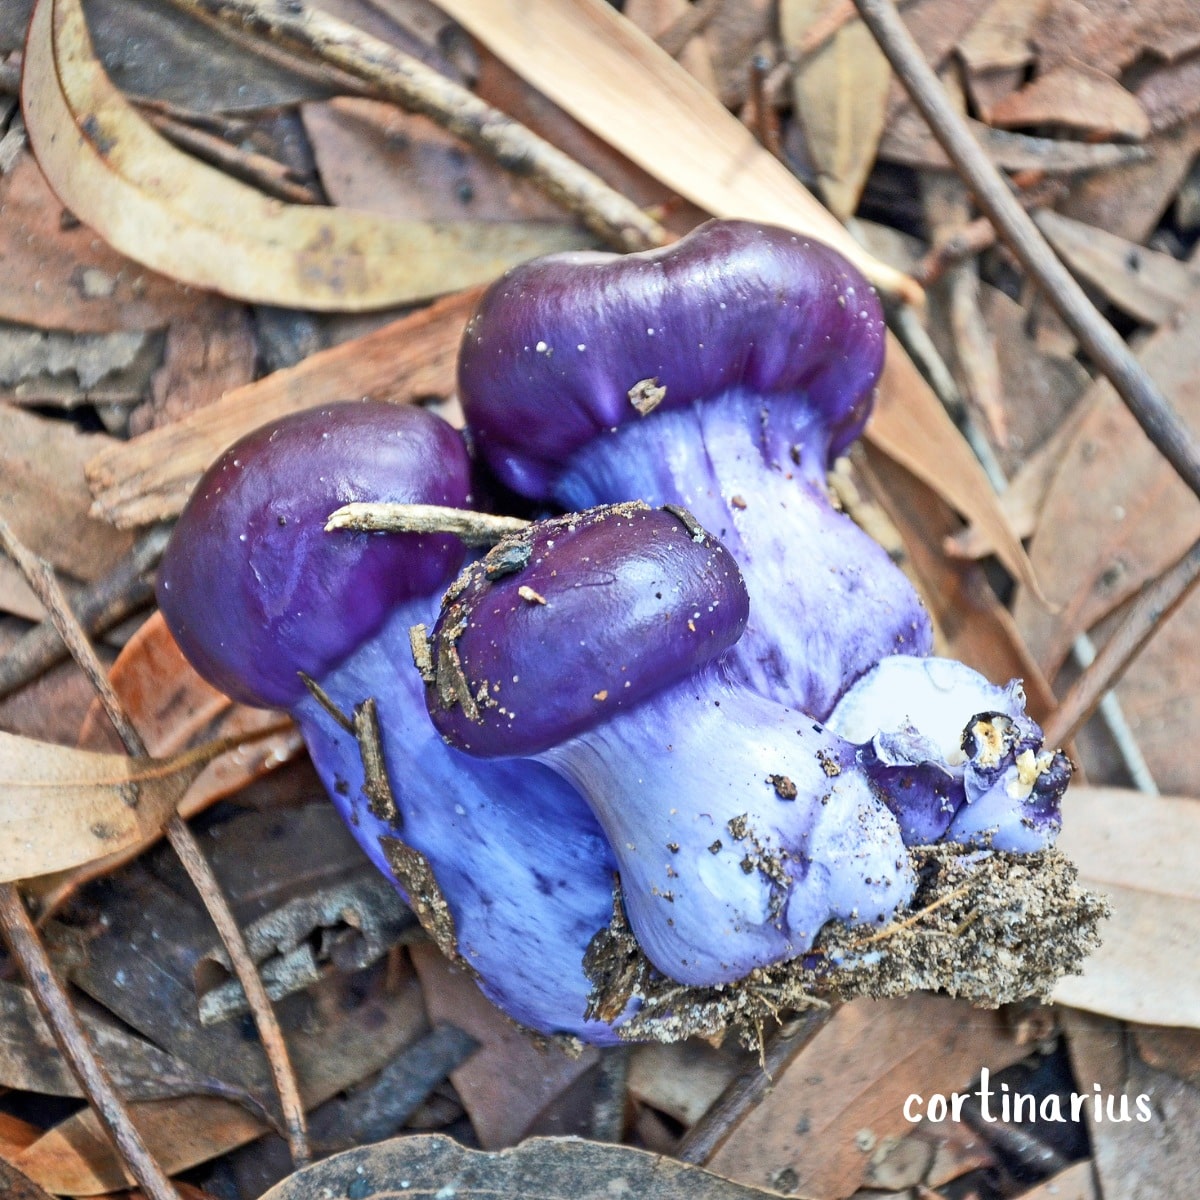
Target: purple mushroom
{"points": [[740, 826], [955, 757], [506, 859], [722, 373]]}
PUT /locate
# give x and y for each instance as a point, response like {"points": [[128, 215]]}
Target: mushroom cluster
{"points": [[704, 681]]}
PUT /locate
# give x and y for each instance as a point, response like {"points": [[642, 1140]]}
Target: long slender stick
{"points": [[706, 1137], [97, 607], [419, 88], [46, 587], [55, 1006], [1150, 408], [1156, 602]]}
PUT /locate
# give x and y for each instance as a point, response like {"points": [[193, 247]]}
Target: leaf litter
{"points": [[1076, 86]]}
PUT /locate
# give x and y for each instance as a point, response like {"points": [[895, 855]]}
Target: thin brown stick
{"points": [[472, 528], [258, 170], [692, 21], [407, 81], [97, 608], [41, 579], [706, 1137], [76, 1047], [1148, 405], [1155, 603]]}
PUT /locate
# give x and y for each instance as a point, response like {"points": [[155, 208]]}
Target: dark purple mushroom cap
{"points": [[557, 345], [577, 618], [253, 588]]}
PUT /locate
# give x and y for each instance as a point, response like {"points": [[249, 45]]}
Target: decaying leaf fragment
{"points": [[841, 95]]}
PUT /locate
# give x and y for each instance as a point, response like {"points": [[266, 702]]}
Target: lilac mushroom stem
{"points": [[740, 826], [722, 373], [257, 593]]}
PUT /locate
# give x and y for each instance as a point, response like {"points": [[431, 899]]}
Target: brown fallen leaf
{"points": [[1025, 496], [1116, 514], [378, 158], [1134, 1159], [1141, 852], [431, 1165], [841, 95], [44, 496], [683, 1080], [151, 477], [1129, 198], [612, 78], [1171, 93], [1159, 696], [1147, 284], [1075, 1183], [66, 807], [174, 213], [908, 140], [513, 1075], [58, 275], [1002, 35], [845, 1091], [1111, 34], [1078, 97]]}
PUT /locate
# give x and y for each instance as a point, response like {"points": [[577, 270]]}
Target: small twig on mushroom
{"points": [[472, 528], [97, 607], [41, 580], [76, 1047], [993, 195], [405, 80], [1157, 601]]}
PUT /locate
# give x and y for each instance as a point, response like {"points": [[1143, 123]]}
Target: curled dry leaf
{"points": [[841, 96], [65, 807], [428, 1166], [188, 220]]}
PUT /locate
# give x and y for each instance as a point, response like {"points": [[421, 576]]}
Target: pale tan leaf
{"points": [[175, 214], [1147, 284], [841, 97], [613, 79], [1141, 851], [65, 807], [431, 1166]]}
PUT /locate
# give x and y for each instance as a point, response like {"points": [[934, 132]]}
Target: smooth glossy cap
{"points": [[561, 347], [253, 588], [577, 618]]}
